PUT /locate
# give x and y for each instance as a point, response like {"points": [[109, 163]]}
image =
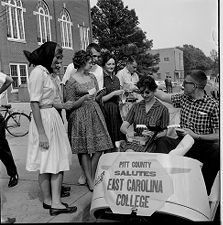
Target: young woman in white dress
{"points": [[49, 150]]}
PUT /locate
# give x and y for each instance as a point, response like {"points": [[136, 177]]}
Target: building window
{"points": [[65, 29], [19, 74], [166, 59], [43, 22], [14, 19], [84, 36]]}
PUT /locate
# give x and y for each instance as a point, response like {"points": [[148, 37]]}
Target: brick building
{"points": [[26, 24], [171, 63]]}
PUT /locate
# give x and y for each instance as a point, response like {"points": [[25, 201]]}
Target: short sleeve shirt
{"points": [[41, 88], [199, 115], [126, 78]]}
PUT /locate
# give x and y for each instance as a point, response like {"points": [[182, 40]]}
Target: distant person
{"points": [[49, 150], [168, 83], [5, 152], [87, 129], [199, 117]]}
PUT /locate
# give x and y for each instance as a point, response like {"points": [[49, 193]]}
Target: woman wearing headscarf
{"points": [[49, 150]]}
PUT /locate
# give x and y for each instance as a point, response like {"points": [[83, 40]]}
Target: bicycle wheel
{"points": [[17, 124]]}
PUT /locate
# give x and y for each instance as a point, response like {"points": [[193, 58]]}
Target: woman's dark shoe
{"points": [[46, 206], [13, 181], [71, 209], [64, 188]]}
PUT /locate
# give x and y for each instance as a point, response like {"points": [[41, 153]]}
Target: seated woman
{"points": [[148, 112]]}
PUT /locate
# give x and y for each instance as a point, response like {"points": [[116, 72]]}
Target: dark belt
{"points": [[45, 106]]}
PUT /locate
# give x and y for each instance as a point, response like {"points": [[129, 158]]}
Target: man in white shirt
{"points": [[128, 76], [128, 79], [5, 152]]}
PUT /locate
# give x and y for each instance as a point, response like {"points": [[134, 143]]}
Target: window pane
{"points": [[38, 29], [66, 35], [70, 36], [23, 80], [13, 70], [15, 83], [22, 70], [47, 28], [9, 34], [15, 34], [21, 31], [42, 28], [14, 75]]}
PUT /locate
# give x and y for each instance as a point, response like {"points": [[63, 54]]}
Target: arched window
{"points": [[65, 29], [43, 22], [14, 18]]}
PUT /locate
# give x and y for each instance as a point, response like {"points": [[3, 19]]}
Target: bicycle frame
{"points": [[6, 111]]}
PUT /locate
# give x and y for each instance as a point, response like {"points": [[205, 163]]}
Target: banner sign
{"points": [[136, 184]]}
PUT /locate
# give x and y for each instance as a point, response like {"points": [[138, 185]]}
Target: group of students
{"points": [[90, 94]]}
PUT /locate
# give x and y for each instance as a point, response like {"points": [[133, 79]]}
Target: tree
{"points": [[215, 66], [115, 27], [194, 58]]}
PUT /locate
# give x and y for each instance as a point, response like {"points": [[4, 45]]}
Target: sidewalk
{"points": [[23, 202]]}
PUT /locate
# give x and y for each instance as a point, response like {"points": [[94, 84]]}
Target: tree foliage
{"points": [[115, 27], [194, 58]]}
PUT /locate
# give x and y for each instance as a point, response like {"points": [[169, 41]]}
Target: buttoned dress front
{"points": [[58, 156]]}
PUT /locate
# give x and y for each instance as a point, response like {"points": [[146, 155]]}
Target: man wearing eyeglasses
{"points": [[199, 117]]}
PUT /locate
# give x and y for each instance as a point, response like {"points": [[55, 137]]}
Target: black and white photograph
{"points": [[110, 111]]}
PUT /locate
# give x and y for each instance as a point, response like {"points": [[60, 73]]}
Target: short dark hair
{"points": [[93, 45], [199, 76], [106, 56], [147, 81], [80, 58]]}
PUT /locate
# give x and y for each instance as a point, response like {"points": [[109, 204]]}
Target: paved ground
{"points": [[23, 202]]}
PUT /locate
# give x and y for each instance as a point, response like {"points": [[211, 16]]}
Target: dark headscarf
{"points": [[42, 56]]}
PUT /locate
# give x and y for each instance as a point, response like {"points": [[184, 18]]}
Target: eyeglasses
{"points": [[188, 82]]}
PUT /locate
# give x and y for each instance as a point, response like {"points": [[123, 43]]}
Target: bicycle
{"points": [[16, 123]]}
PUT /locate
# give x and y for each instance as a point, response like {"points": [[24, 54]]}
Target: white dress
{"points": [[58, 157]]}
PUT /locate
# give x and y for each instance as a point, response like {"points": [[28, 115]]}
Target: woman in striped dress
{"points": [[149, 112]]}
